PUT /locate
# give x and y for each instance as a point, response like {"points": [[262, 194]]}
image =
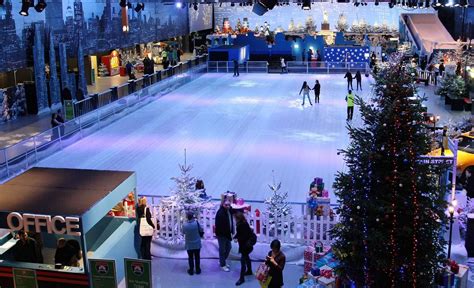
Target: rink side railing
{"points": [[93, 116], [311, 67], [297, 228]]}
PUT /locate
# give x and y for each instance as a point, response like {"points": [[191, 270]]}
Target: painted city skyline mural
{"points": [[96, 24]]}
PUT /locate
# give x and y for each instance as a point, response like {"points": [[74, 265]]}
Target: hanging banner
{"points": [[138, 273], [103, 273], [24, 278]]}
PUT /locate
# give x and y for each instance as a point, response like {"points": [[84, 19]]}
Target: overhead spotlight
{"points": [[391, 4], [129, 5], [195, 6], [220, 4], [262, 6], [139, 7], [463, 3], [306, 5], [40, 6], [450, 3], [427, 4], [240, 4], [123, 3], [457, 3], [25, 5], [2, 2], [376, 2], [232, 4]]}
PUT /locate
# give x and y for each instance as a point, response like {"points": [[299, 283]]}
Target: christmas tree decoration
{"points": [[277, 208], [392, 207], [342, 25]]}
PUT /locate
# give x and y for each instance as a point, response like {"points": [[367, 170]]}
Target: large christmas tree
{"points": [[391, 206]]}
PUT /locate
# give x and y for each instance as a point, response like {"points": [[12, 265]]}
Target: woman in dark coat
{"points": [[276, 261], [244, 232], [145, 240]]}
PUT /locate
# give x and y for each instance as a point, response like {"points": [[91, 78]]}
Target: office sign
{"points": [[138, 273], [24, 278], [43, 223], [103, 273]]}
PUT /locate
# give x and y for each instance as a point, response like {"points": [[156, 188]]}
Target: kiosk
{"points": [[71, 204]]}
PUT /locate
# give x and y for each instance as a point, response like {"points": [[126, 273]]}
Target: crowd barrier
{"points": [[93, 114]]}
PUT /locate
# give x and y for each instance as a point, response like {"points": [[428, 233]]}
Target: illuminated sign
{"points": [[38, 223]]}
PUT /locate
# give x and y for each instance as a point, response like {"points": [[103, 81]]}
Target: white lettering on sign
{"points": [[32, 222]]}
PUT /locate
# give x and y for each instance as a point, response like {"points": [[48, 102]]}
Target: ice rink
{"points": [[236, 131]]}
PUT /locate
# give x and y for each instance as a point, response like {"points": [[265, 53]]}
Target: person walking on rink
{"points": [[349, 80], [236, 68], [305, 89], [358, 81], [350, 105], [317, 90]]}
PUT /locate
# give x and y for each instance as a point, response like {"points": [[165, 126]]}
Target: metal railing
{"points": [[246, 67], [308, 67], [95, 115], [95, 101]]}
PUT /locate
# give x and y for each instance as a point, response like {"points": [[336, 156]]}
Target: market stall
{"points": [[71, 204]]}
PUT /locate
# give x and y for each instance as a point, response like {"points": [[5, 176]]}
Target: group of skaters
{"points": [[305, 89]]}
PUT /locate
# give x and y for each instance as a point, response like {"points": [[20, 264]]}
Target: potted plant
{"points": [[453, 88]]}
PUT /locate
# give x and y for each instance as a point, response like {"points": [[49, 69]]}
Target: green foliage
{"points": [[391, 206], [453, 87]]}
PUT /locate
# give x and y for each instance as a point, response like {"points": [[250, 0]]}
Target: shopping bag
{"points": [[145, 228], [262, 272], [264, 284]]}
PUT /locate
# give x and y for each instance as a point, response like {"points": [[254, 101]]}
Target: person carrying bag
{"points": [[146, 228]]}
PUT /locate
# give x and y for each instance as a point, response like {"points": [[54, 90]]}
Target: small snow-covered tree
{"points": [[277, 207], [342, 25]]}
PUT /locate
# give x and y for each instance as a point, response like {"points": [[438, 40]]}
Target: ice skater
{"points": [[349, 80], [350, 105], [236, 68], [358, 81], [305, 89], [283, 65], [317, 90]]}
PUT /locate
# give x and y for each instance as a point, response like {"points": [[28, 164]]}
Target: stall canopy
{"points": [[66, 192]]}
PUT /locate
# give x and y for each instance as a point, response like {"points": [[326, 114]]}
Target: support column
{"points": [[82, 73], [63, 66], [40, 75], [54, 88]]}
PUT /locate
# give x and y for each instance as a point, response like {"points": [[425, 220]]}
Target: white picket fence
{"points": [[298, 229]]}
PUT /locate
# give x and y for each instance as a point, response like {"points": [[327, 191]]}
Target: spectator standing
{"points": [[469, 183], [54, 125], [129, 69], [317, 90], [224, 227], [243, 235], [276, 261], [350, 105], [303, 55], [144, 214], [441, 69], [305, 89], [349, 80], [192, 243], [25, 249], [310, 55], [358, 80]]}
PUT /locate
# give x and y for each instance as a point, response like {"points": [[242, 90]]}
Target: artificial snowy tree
{"points": [[277, 208], [342, 25], [392, 208]]}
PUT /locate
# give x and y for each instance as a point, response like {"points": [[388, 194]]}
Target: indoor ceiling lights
{"points": [[25, 5], [2, 2], [123, 3], [262, 6], [40, 6], [139, 7], [306, 5], [195, 6]]}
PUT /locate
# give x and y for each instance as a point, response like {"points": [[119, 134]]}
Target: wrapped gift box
{"points": [[461, 277], [329, 282], [310, 256]]}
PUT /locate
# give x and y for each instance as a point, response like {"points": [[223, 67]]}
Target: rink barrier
{"points": [[23, 155], [306, 67], [296, 229], [95, 101]]}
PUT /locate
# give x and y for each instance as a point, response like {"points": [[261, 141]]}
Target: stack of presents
{"points": [[318, 199], [454, 275], [319, 265]]}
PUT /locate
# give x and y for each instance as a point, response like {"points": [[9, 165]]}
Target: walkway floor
{"points": [[25, 127]]}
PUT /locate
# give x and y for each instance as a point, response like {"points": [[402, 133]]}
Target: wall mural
{"points": [[200, 19], [94, 23], [280, 18]]}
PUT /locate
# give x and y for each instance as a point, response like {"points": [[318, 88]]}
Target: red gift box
{"points": [[307, 266]]}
